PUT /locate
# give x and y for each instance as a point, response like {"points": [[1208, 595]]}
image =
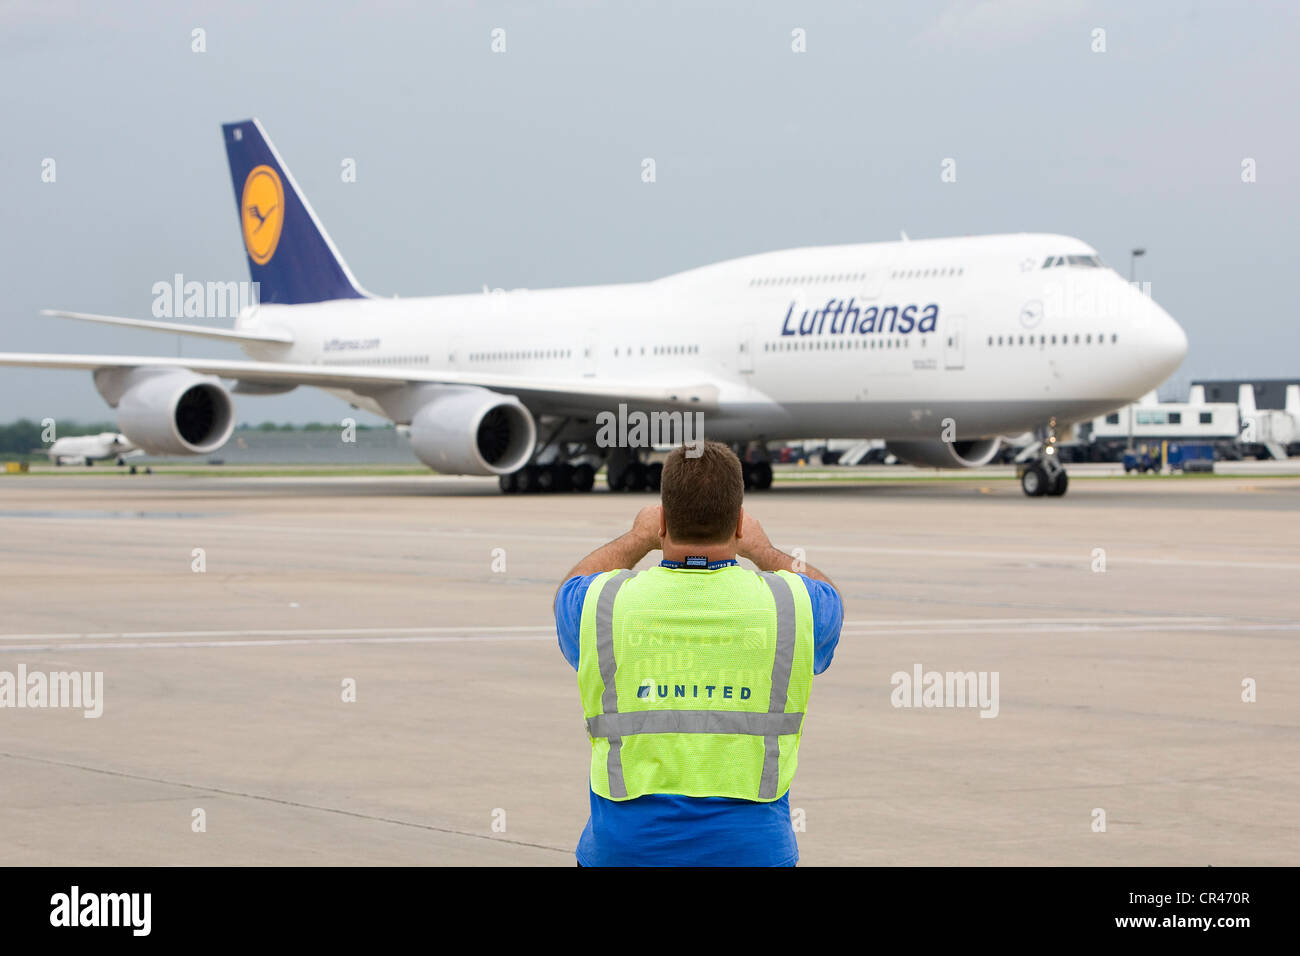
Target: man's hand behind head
{"points": [[648, 527], [752, 541]]}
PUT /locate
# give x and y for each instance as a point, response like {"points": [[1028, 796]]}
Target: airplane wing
{"points": [[545, 395], [178, 328], [198, 331]]}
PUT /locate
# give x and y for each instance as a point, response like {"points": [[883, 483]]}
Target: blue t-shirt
{"points": [[673, 830]]}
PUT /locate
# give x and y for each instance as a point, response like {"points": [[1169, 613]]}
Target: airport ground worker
{"points": [[694, 676]]}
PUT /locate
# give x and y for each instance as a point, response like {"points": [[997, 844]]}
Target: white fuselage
{"points": [[976, 330]]}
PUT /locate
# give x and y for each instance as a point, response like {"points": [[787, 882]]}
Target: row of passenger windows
{"points": [[837, 344], [568, 353], [1051, 339], [857, 276], [791, 345], [384, 360], [807, 280], [517, 355], [660, 350], [928, 273]]}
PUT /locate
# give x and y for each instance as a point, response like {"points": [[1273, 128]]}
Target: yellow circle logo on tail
{"points": [[262, 213]]}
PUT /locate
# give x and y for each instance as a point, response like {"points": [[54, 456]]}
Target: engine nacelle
{"points": [[168, 411], [473, 431], [946, 454]]}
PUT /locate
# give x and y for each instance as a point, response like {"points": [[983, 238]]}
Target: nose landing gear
{"points": [[1044, 474]]}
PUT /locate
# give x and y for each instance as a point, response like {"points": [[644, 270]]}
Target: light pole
{"points": [[1132, 276], [1132, 262]]}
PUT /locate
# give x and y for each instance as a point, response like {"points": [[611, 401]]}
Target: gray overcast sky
{"points": [[523, 168]]}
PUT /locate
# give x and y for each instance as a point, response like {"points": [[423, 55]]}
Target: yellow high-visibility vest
{"points": [[694, 681]]}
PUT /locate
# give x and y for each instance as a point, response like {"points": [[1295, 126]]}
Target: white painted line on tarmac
{"points": [[1076, 558], [281, 632], [964, 621], [1012, 629], [109, 644], [306, 637]]}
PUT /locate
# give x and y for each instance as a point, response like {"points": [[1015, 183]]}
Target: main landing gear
{"points": [[625, 470], [758, 475], [562, 466], [555, 476], [1044, 474], [557, 465]]}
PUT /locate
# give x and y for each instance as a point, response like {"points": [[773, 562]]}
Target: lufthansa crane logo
{"points": [[262, 213], [1031, 313]]}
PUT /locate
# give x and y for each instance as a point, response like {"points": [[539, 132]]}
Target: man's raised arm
{"points": [[624, 551], [753, 543]]}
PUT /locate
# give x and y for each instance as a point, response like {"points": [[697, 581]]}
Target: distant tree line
{"points": [[24, 436], [309, 427]]}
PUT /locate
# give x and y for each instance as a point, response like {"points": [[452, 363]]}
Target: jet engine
{"points": [[169, 411], [473, 431]]}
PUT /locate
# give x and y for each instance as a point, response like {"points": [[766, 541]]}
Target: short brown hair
{"points": [[702, 495]]}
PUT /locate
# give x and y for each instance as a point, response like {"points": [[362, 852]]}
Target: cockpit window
{"points": [[1085, 262]]}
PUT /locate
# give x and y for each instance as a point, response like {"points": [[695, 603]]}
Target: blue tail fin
{"points": [[289, 253]]}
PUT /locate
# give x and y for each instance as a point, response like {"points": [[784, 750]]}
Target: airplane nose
{"points": [[1165, 342], [1171, 340]]}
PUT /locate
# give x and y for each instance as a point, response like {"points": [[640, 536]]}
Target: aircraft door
{"points": [[745, 349], [954, 341]]}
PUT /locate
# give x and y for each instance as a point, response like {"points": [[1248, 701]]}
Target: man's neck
{"points": [[710, 552]]}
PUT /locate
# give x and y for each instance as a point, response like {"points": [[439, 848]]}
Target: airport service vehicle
{"points": [[1191, 457], [1187, 457], [1109, 436], [937, 346], [88, 449]]}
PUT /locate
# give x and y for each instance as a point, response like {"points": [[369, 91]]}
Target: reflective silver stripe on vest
{"points": [[693, 722], [782, 665], [608, 666]]}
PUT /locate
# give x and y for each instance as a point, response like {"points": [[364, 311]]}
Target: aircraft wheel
{"points": [[634, 478], [584, 477], [506, 482], [654, 475], [526, 479], [546, 478], [1033, 481], [1059, 484], [762, 476], [553, 477], [747, 470], [614, 477]]}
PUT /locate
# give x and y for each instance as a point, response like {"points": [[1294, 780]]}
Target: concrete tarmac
{"points": [[226, 616]]}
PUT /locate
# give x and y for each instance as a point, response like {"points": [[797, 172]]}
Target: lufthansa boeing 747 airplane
{"points": [[938, 346]]}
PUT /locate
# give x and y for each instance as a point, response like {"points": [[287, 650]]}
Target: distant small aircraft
{"points": [[88, 449]]}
